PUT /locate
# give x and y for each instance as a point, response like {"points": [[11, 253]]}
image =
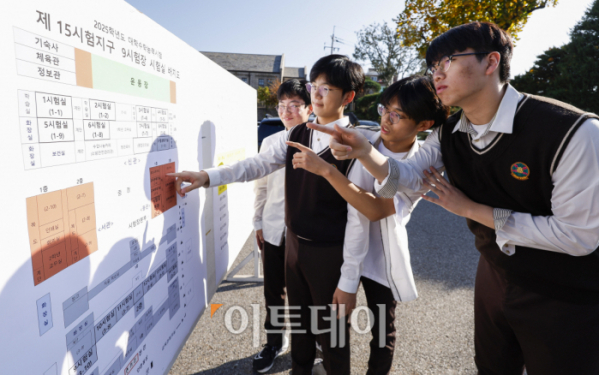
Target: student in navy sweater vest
{"points": [[523, 172], [325, 243]]}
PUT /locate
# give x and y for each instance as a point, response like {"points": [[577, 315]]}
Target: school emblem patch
{"points": [[520, 171]]}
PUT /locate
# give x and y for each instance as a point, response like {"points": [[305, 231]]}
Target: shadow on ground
{"points": [[226, 286], [244, 366]]}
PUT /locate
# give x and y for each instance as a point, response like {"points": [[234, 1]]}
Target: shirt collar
{"points": [[344, 121], [409, 154], [504, 121]]}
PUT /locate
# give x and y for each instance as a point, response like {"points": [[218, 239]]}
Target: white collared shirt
{"points": [[574, 226], [374, 263], [269, 205], [355, 245]]}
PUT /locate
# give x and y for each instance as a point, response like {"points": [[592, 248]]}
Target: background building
{"points": [[257, 70]]}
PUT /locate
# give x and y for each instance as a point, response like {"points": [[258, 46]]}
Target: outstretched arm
{"points": [[374, 208], [270, 159], [351, 144]]}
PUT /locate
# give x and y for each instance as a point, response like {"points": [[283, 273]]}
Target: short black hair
{"points": [[481, 37], [340, 72], [294, 87], [417, 98]]}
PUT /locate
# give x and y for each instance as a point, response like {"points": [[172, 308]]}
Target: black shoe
{"points": [[264, 360]]}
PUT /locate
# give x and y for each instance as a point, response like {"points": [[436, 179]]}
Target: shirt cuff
{"points": [[505, 248], [348, 285], [391, 183], [500, 216], [257, 225], [214, 176]]}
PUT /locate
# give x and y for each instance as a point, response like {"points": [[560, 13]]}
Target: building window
{"points": [[261, 82], [244, 79]]}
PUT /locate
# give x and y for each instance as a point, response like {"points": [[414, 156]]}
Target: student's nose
{"points": [[438, 75], [317, 94], [385, 119]]}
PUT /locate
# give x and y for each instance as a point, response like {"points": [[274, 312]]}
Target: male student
{"points": [[407, 107], [294, 108], [326, 238], [523, 172]]}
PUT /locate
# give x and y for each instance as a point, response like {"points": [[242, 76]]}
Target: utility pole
{"points": [[333, 40]]}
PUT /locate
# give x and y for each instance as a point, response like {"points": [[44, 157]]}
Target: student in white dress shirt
{"points": [[408, 106], [294, 108], [523, 172], [325, 243]]}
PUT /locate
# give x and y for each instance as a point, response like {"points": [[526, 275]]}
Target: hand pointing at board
{"points": [[196, 179], [344, 143]]}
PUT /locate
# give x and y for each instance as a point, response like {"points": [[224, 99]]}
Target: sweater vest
{"points": [[314, 211], [514, 172]]}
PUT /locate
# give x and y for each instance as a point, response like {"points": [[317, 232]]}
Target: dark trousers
{"points": [[381, 356], [312, 274], [273, 261], [514, 327]]}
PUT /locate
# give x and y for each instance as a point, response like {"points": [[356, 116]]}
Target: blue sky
{"points": [[300, 29]]}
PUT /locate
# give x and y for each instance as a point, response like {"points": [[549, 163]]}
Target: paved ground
{"points": [[435, 332]]}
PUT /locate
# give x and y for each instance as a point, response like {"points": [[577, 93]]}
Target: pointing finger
{"points": [[336, 145], [299, 146], [321, 128], [342, 130]]}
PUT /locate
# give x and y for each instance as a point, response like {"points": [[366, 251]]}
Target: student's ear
{"points": [[348, 97], [493, 61], [310, 109], [425, 125]]}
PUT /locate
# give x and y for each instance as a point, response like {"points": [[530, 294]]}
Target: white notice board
{"points": [[104, 269]]}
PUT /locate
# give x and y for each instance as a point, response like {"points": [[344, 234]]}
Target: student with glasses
{"points": [[324, 245], [408, 107], [269, 223], [523, 172]]}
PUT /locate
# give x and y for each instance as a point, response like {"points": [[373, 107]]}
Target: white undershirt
{"points": [[481, 142], [374, 262]]}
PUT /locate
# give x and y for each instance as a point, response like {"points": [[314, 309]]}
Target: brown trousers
{"points": [[514, 327], [312, 274], [273, 260], [381, 357]]}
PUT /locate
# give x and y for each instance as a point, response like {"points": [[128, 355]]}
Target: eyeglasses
{"points": [[394, 117], [322, 90], [293, 108], [445, 62]]}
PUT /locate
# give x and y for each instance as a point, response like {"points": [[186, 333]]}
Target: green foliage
{"points": [[366, 107], [423, 20], [569, 73], [371, 86], [379, 45], [543, 74]]}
